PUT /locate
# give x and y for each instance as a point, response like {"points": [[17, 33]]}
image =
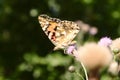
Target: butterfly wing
{"points": [[49, 26], [67, 32], [61, 33]]}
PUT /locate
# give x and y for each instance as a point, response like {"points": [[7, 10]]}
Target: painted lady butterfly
{"points": [[61, 33]]}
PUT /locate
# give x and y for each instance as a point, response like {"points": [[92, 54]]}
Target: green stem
{"points": [[85, 71]]}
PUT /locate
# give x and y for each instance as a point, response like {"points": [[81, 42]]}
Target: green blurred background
{"points": [[24, 48]]}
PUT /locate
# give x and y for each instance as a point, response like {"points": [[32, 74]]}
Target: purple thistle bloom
{"points": [[70, 49], [105, 41]]}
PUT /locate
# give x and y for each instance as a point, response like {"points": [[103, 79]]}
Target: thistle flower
{"points": [[70, 48], [85, 27], [105, 41], [113, 68], [115, 45], [93, 30], [94, 56]]}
